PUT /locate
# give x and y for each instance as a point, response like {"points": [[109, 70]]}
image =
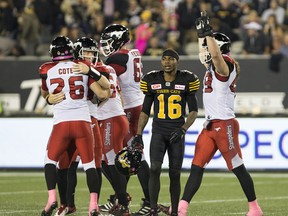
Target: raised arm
{"points": [[207, 43]]}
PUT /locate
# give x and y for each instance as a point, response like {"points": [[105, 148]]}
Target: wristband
{"points": [[94, 74], [47, 100]]}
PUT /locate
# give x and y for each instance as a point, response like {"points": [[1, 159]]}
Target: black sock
{"points": [[143, 176], [246, 182], [175, 188], [154, 182], [92, 180], [62, 185], [50, 176], [106, 172], [99, 181], [120, 185], [72, 182], [193, 183]]}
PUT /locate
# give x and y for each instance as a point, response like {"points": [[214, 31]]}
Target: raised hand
{"points": [[202, 26]]}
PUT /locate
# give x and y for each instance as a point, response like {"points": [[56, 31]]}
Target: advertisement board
{"points": [[264, 143]]}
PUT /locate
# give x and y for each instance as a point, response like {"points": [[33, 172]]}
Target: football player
{"points": [[72, 122], [84, 49], [128, 66], [170, 90], [221, 129], [114, 127]]}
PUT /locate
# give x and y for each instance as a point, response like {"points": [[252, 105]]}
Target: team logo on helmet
{"points": [[127, 161], [113, 38], [223, 42]]}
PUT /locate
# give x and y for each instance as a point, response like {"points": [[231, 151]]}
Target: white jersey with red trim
{"points": [[219, 93], [128, 67], [113, 106], [57, 77], [93, 109], [102, 68]]}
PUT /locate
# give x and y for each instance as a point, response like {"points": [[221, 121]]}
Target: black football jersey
{"points": [[169, 98]]}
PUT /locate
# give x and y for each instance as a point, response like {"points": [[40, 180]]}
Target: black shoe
{"points": [[71, 210], [53, 206], [109, 205], [120, 210], [154, 212], [94, 212], [144, 210], [164, 209]]}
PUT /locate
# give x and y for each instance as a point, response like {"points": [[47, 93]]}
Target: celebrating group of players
{"points": [[99, 116], [86, 93]]}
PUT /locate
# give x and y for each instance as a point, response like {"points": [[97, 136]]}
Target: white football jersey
{"points": [[113, 106], [219, 94], [75, 87], [130, 78], [93, 109]]}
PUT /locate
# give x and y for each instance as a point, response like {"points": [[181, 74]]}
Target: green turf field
{"points": [[24, 193]]}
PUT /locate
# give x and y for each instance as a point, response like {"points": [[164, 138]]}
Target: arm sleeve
{"points": [[43, 76], [119, 62], [192, 103], [145, 86], [147, 103], [194, 85]]}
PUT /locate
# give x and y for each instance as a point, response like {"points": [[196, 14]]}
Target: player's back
{"points": [[128, 67], [60, 78]]}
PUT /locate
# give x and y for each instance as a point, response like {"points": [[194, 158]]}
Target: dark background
{"points": [[255, 75]]}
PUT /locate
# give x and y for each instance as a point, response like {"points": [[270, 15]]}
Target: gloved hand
{"points": [[202, 26], [177, 134], [137, 142]]}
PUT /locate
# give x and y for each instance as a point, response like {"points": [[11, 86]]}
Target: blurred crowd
{"points": [[254, 26]]}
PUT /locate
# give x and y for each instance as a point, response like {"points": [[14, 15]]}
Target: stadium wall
{"points": [[259, 91]]}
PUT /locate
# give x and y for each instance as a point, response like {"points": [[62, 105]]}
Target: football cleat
{"points": [[144, 210], [61, 211], [65, 210], [94, 212], [70, 210], [109, 205], [120, 210], [50, 210], [154, 212], [165, 209]]}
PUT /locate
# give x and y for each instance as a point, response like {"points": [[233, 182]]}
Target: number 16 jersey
{"points": [[170, 98]]}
